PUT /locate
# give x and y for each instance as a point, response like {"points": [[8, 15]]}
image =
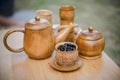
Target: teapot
{"points": [[39, 40]]}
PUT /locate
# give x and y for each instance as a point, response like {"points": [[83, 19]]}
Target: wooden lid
{"points": [[90, 34], [37, 23], [67, 7]]}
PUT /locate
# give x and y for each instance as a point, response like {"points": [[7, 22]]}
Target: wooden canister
{"points": [[67, 14]]}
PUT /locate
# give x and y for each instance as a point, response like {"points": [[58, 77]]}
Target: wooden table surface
{"points": [[19, 67]]}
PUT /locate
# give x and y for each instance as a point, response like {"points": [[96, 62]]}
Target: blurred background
{"points": [[103, 15]]}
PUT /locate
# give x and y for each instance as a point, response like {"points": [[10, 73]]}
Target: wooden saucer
{"points": [[58, 67], [90, 58]]}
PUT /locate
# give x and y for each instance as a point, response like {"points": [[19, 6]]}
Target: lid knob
{"points": [[37, 18], [90, 29]]}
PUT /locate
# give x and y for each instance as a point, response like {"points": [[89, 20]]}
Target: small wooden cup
{"points": [[66, 58]]}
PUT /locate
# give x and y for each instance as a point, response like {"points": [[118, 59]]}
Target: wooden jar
{"points": [[66, 14], [90, 43]]}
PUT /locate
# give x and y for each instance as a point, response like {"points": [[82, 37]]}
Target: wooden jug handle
{"points": [[6, 44]]}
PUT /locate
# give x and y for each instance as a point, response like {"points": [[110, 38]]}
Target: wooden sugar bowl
{"points": [[90, 44]]}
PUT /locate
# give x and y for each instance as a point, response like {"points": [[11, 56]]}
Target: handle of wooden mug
{"points": [[6, 44]]}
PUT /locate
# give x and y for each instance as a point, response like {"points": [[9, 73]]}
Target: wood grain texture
{"points": [[20, 67]]}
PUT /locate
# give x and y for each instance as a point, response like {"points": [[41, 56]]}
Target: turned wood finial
{"points": [[90, 29], [37, 18]]}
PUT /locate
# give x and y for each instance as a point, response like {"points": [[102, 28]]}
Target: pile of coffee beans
{"points": [[67, 47]]}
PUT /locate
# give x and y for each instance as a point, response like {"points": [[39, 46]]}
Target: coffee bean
{"points": [[67, 47]]}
